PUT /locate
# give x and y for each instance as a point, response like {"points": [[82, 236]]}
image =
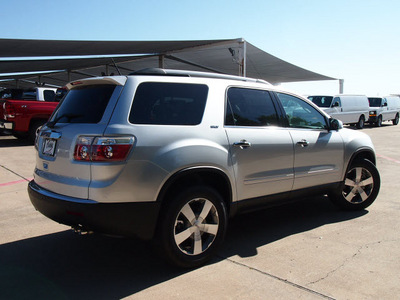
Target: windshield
{"points": [[321, 101], [375, 102], [84, 105]]}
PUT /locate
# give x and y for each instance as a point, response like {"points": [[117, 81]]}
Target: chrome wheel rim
{"points": [[196, 226], [358, 185]]}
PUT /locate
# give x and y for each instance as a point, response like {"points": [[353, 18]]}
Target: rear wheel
{"points": [[193, 226], [396, 120], [360, 187], [34, 127], [361, 122]]}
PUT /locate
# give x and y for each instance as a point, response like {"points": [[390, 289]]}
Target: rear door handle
{"points": [[303, 143], [242, 144]]}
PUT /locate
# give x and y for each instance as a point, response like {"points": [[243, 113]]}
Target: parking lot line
{"points": [[15, 182], [388, 158]]}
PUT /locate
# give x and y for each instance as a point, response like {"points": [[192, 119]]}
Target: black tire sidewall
{"points": [[361, 122], [166, 231]]}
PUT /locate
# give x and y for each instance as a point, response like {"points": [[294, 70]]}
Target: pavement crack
{"points": [[280, 279], [11, 171], [358, 252]]}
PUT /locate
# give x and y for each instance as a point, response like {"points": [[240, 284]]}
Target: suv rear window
{"points": [[168, 103], [84, 104]]}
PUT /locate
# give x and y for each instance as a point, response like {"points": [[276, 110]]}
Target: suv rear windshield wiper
{"points": [[68, 116]]}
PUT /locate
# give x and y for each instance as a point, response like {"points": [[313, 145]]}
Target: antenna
{"points": [[115, 65]]}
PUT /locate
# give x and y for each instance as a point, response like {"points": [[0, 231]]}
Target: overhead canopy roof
{"points": [[56, 62]]}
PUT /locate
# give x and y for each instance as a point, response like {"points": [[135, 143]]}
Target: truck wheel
{"points": [[396, 120], [379, 122], [33, 128], [361, 122], [193, 226], [360, 187]]}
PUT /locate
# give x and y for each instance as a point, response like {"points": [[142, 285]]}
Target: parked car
{"points": [[170, 155], [350, 109], [384, 109]]}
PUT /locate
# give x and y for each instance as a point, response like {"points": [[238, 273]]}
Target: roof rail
{"points": [[183, 73]]}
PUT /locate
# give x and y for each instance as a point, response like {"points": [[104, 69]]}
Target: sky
{"points": [[358, 41]]}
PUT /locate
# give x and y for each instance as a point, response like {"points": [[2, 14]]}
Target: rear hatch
{"points": [[81, 116]]}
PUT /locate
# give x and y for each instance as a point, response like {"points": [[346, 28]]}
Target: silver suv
{"points": [[171, 155]]}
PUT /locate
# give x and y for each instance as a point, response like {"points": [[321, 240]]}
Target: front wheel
{"points": [[360, 187], [193, 226], [396, 120], [379, 122]]}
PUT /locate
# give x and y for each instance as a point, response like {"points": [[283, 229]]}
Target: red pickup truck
{"points": [[22, 112]]}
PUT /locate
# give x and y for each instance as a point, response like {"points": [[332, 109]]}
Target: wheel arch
{"points": [[209, 176], [362, 154]]}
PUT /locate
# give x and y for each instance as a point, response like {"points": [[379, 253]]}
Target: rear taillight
{"points": [[98, 149], [9, 112]]}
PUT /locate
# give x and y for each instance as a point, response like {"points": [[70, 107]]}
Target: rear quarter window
{"points": [[85, 104], [162, 103]]}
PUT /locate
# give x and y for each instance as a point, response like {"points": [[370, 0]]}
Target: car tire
{"points": [[361, 122], [33, 130], [193, 226], [396, 120], [359, 188]]}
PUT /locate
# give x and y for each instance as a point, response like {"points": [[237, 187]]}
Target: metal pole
{"points": [[161, 61], [244, 62], [341, 86]]}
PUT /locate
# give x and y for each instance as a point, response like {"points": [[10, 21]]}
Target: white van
{"points": [[350, 109], [384, 109]]}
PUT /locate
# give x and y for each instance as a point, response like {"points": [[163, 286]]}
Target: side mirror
{"points": [[336, 104], [384, 104], [335, 124]]}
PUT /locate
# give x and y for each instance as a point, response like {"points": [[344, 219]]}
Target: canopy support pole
{"points": [[243, 59], [341, 86], [161, 61]]}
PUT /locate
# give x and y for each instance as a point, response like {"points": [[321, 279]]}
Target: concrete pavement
{"points": [[306, 250]]}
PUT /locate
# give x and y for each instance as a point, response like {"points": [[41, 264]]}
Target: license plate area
{"points": [[49, 147]]}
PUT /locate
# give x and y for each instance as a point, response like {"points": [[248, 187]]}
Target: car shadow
{"points": [[67, 266], [7, 141], [247, 232]]}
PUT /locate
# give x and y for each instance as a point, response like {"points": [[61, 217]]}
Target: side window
{"points": [[160, 103], [301, 114], [336, 102], [250, 107]]}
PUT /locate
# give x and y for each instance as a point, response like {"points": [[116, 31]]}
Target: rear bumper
{"points": [[124, 219], [6, 127]]}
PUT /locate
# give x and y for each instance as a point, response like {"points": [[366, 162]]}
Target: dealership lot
{"points": [[306, 250]]}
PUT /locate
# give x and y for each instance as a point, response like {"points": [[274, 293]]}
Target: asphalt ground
{"points": [[306, 250]]}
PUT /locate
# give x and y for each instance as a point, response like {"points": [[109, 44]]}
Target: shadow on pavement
{"points": [[247, 232], [10, 141], [66, 266]]}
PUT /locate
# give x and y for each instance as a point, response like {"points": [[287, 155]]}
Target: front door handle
{"points": [[242, 144], [303, 143]]}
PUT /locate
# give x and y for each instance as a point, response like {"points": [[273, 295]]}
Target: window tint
{"points": [[301, 114], [168, 103], [49, 95], [249, 107], [321, 101], [84, 105], [375, 102]]}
